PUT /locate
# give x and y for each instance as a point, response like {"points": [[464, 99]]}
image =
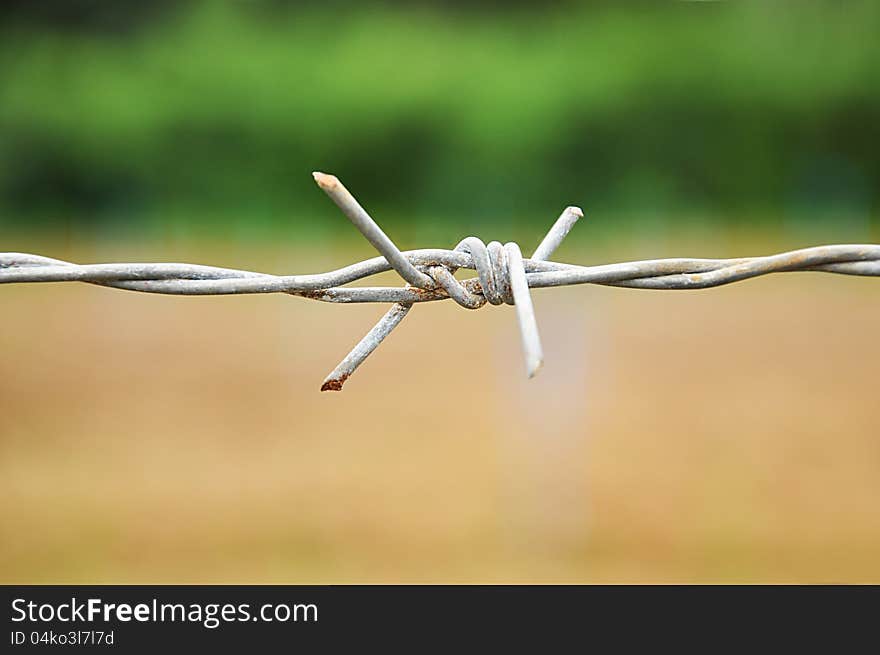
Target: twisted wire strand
{"points": [[201, 280], [502, 276]]}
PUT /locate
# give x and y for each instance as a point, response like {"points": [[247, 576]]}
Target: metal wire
{"points": [[503, 276]]}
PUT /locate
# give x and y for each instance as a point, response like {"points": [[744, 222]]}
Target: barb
{"points": [[502, 276]]}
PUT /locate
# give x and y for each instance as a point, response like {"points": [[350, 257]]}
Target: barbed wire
{"points": [[503, 276]]}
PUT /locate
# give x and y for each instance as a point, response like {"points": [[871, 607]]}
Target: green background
{"points": [[207, 117]]}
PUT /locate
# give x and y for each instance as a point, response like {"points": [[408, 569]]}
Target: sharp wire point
{"points": [[525, 310], [353, 210], [557, 233], [535, 367]]}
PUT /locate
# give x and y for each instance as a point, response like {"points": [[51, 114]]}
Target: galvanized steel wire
{"points": [[503, 276]]}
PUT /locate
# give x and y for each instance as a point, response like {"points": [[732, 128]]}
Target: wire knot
{"points": [[501, 278], [492, 264]]}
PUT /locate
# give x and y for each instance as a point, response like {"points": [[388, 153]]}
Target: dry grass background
{"points": [[729, 435]]}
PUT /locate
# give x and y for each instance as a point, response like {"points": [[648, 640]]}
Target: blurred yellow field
{"points": [[727, 435]]}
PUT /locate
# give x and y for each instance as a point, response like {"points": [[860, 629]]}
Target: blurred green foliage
{"points": [[208, 111]]}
